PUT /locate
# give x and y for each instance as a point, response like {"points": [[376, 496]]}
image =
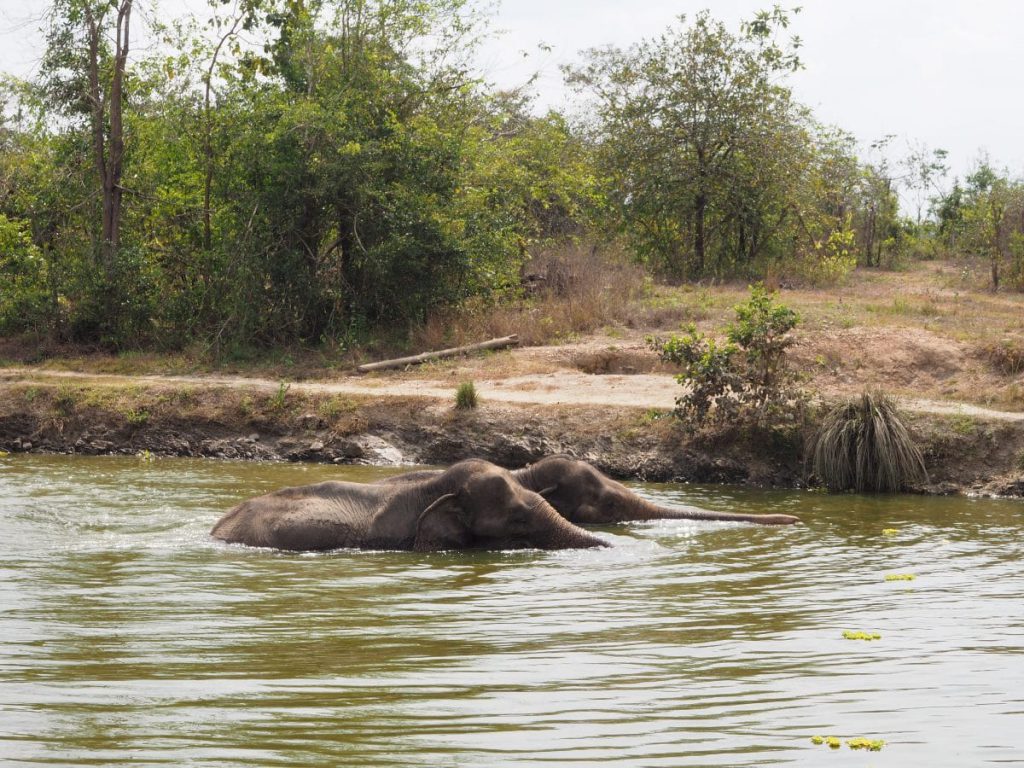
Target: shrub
{"points": [[24, 304], [1006, 357], [465, 396], [747, 377], [279, 399], [136, 417], [862, 445]]}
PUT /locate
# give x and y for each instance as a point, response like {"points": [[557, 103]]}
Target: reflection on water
{"points": [[128, 636]]}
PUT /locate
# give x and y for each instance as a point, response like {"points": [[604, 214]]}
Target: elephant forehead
{"points": [[490, 484]]}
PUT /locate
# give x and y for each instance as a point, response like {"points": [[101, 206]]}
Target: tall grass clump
{"points": [[863, 446], [466, 397]]}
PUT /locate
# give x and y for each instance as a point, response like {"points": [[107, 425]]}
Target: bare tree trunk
{"points": [[115, 161], [108, 151], [208, 134], [699, 246]]}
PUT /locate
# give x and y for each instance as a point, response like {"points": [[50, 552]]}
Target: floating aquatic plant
{"points": [[872, 745], [851, 635], [890, 531], [900, 577], [860, 742], [834, 742]]}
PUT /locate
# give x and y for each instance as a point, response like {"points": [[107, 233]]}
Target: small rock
{"points": [[253, 438], [316, 446], [350, 449]]}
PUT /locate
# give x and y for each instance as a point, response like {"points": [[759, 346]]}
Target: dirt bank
{"points": [[381, 423]]}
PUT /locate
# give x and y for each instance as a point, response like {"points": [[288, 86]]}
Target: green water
{"points": [[128, 636]]}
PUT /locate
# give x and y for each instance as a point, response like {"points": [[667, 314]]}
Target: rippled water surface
{"points": [[128, 636]]}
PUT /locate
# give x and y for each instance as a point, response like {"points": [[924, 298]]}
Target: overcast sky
{"points": [[943, 72]]}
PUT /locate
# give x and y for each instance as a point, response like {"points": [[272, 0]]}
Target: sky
{"points": [[939, 73]]}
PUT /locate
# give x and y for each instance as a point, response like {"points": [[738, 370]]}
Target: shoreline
{"points": [[262, 421]]}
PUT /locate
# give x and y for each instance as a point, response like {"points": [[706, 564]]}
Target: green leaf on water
{"points": [[890, 531], [900, 577]]}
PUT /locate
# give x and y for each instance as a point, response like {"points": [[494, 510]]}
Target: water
{"points": [[128, 636]]}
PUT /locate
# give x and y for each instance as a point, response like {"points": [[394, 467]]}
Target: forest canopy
{"points": [[284, 171]]}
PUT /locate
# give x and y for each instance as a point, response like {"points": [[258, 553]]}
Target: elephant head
{"points": [[585, 496], [484, 507]]}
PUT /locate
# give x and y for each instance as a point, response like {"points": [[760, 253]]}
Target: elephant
{"points": [[585, 496], [472, 505]]}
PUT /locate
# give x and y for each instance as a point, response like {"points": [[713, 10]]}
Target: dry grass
{"points": [[930, 331], [863, 446], [568, 292], [1006, 357]]}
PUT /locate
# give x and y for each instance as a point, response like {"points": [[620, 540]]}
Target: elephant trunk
{"points": [[566, 535], [577, 539], [641, 509]]}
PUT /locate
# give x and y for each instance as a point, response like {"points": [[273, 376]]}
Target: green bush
{"points": [[465, 396], [24, 303], [745, 379]]}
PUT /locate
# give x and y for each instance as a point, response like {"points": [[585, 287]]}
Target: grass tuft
{"points": [[862, 445], [465, 396]]}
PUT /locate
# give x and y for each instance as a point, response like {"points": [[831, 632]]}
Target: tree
{"points": [[84, 76], [81, 68], [683, 121]]}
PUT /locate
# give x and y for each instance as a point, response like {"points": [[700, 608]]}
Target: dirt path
{"points": [[559, 388]]}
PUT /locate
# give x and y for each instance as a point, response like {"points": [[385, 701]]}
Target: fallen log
{"points": [[401, 362]]}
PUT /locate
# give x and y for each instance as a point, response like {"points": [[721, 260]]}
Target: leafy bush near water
{"points": [[745, 379]]}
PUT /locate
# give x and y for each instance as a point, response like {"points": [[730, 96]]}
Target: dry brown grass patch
{"points": [[1006, 357], [567, 291]]}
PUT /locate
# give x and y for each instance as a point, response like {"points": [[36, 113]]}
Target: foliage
{"points": [[862, 445], [710, 373], [271, 172], [280, 397], [292, 171], [693, 130], [985, 218], [24, 298], [466, 396], [746, 378]]}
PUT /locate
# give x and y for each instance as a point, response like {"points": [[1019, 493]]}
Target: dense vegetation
{"points": [[319, 170]]}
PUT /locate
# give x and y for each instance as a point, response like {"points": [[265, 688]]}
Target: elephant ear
{"points": [[442, 525]]}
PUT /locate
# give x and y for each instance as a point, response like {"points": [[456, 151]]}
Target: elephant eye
{"points": [[518, 514]]}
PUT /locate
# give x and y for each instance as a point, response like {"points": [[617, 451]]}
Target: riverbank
{"points": [[951, 351], [329, 422]]}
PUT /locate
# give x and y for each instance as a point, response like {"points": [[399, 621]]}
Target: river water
{"points": [[128, 636]]}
